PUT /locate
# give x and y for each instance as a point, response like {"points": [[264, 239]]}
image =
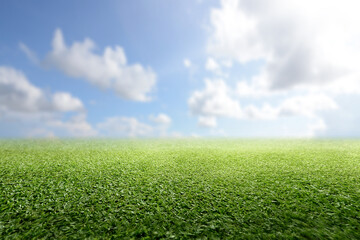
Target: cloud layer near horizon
{"points": [[41, 114]]}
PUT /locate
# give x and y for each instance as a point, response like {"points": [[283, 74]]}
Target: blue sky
{"points": [[160, 68]]}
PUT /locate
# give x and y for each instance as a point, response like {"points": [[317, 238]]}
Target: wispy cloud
{"points": [[31, 55], [38, 112]]}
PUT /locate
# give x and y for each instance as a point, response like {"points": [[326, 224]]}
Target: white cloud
{"points": [[47, 124], [265, 112], [176, 134], [215, 67], [76, 126], [212, 65], [207, 121], [121, 126], [303, 43], [162, 124], [110, 70], [227, 63], [161, 118], [218, 100], [29, 53], [187, 63], [318, 125], [64, 102], [306, 105], [255, 89], [125, 127], [233, 33], [37, 113], [214, 100], [40, 132], [191, 68], [17, 94]]}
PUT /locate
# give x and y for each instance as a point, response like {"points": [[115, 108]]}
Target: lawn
{"points": [[180, 189]]}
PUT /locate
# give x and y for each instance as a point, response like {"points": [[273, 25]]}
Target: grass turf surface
{"points": [[215, 189]]}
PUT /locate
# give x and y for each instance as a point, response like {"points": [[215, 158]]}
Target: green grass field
{"points": [[181, 189]]}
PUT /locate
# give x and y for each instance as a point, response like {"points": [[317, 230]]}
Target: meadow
{"points": [[180, 189]]}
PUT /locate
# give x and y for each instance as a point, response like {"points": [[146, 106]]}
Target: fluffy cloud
{"points": [[212, 65], [187, 63], [218, 100], [37, 113], [318, 125], [207, 121], [17, 94], [214, 100], [161, 118], [63, 101], [110, 70], [162, 124], [215, 67], [233, 33], [306, 105], [303, 43], [132, 127], [125, 127], [76, 126]]}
